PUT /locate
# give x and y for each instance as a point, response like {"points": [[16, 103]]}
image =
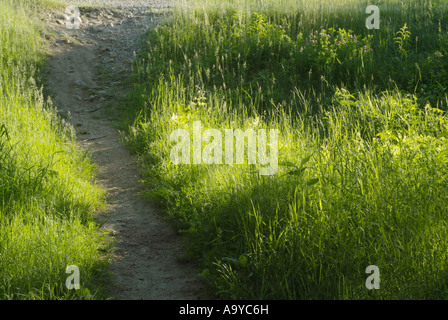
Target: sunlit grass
{"points": [[47, 193], [363, 153]]}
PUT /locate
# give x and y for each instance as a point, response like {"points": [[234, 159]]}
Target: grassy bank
{"points": [[362, 144], [47, 194]]}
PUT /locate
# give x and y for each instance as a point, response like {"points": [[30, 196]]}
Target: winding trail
{"points": [[148, 262]]}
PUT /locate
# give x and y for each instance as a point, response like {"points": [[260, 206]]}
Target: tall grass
{"points": [[363, 152], [47, 189]]}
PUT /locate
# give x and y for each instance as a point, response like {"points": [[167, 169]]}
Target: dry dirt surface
{"points": [[148, 261]]}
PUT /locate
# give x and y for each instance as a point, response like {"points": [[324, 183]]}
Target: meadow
{"points": [[47, 190], [363, 157]]}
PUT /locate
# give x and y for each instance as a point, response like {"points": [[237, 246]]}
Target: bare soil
{"points": [[149, 258]]}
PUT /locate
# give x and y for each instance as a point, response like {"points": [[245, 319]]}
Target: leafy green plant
{"points": [[402, 40], [337, 52]]}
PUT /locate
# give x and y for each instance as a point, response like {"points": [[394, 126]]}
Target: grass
{"points": [[47, 190], [362, 144]]}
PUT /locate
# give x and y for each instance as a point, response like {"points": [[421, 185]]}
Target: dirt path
{"points": [[146, 261]]}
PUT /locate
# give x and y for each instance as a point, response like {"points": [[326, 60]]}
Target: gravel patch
{"points": [[124, 4]]}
